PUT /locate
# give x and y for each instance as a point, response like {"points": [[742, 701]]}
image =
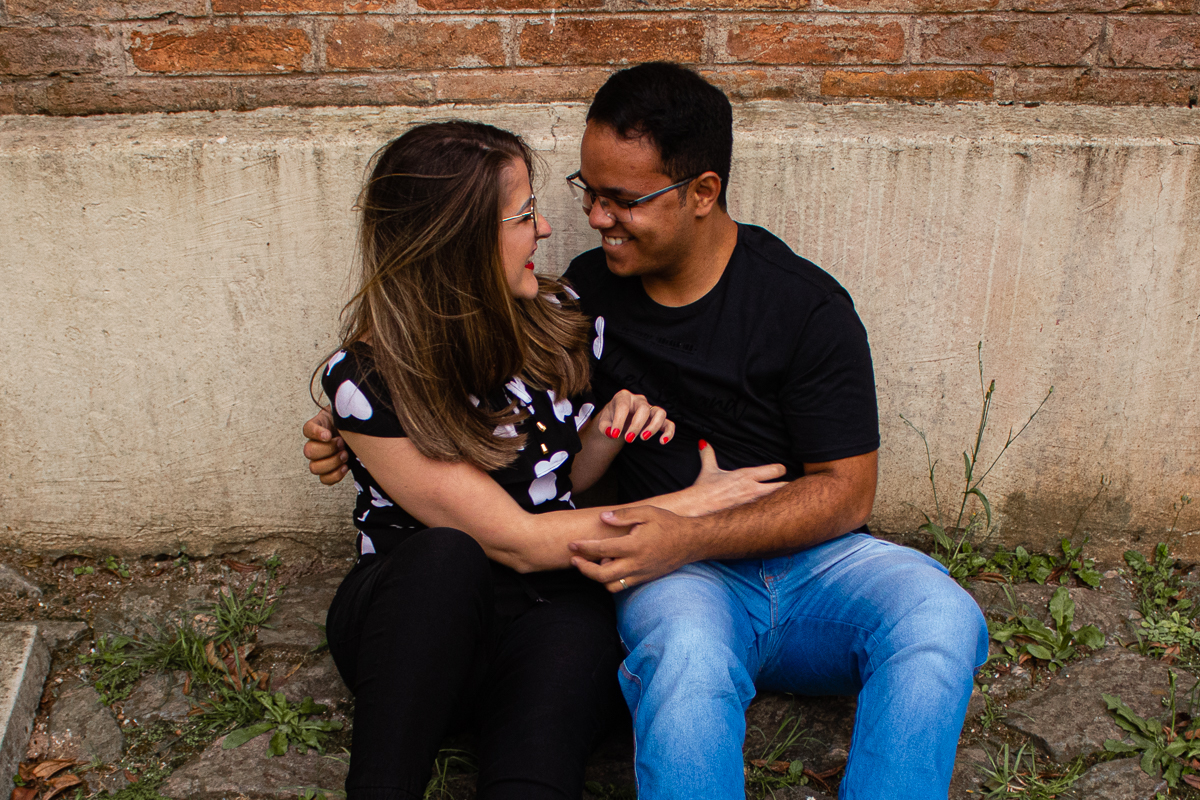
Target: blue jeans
{"points": [[853, 616]]}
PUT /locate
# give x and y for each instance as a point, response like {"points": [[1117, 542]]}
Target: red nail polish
{"points": [[703, 444], [629, 437], [663, 440], [645, 435], [608, 431], [614, 433]]}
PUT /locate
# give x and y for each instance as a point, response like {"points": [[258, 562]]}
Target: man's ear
{"points": [[705, 190]]}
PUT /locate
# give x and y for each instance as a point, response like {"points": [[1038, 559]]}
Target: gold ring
{"points": [[621, 581]]}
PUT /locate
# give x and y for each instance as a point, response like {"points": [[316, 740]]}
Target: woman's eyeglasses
{"points": [[531, 214]]}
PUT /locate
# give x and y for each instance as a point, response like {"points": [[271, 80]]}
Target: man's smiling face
{"points": [[654, 242]]}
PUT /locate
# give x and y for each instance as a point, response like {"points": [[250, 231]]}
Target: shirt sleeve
{"points": [[828, 397], [358, 396]]}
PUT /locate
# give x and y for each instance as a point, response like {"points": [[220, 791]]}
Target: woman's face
{"points": [[519, 237]]}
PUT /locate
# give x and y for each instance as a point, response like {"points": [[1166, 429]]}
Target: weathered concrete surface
{"points": [[1070, 719], [83, 728], [1122, 779], [24, 662], [299, 619], [172, 281], [246, 771]]}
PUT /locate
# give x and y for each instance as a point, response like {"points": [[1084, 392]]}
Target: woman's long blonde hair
{"points": [[435, 302]]}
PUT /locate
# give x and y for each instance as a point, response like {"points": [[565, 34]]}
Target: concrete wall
{"points": [[172, 280]]}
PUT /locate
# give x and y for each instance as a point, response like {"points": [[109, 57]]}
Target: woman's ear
{"points": [[706, 189]]}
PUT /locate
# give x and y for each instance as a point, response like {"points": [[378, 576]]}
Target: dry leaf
{"points": [[47, 768], [1192, 780], [239, 566], [25, 771], [23, 793]]}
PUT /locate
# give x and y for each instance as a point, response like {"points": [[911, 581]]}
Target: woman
{"points": [[460, 390]]}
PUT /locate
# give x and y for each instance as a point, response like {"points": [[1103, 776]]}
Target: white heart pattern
{"points": [[571, 292], [378, 500], [562, 408], [357, 488], [367, 545], [550, 464], [517, 387], [585, 413], [552, 299], [350, 402], [543, 489], [363, 518], [333, 360], [473, 400], [598, 342], [505, 431]]}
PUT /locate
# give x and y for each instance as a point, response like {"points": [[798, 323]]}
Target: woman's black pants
{"points": [[432, 637]]}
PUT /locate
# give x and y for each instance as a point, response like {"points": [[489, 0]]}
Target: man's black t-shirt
{"points": [[772, 365]]}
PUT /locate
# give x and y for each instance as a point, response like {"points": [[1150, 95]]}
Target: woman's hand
{"points": [[630, 416], [716, 489]]}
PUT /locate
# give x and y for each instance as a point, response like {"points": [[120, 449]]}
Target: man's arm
{"points": [[833, 498]]}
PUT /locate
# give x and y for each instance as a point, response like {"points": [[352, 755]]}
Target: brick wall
{"points": [[98, 56]]}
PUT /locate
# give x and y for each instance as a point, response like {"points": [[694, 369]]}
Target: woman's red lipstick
{"points": [[529, 265]]}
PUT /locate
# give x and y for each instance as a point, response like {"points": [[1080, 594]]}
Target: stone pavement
{"points": [[1060, 715]]}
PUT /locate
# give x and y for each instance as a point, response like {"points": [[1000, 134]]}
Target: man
{"points": [[760, 353]]}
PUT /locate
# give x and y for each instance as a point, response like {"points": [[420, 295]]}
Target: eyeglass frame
{"points": [[531, 213], [628, 205]]}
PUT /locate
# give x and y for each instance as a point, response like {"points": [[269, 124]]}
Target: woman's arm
{"points": [[461, 496]]}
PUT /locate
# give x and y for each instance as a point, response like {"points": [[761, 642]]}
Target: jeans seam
{"points": [[634, 714]]}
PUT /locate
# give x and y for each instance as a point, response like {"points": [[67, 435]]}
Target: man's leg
{"points": [[867, 617], [687, 681]]}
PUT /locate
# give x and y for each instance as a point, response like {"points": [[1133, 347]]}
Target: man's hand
{"points": [[325, 450], [657, 543]]}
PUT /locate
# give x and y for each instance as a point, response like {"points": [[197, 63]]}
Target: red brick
{"points": [[1053, 41], [135, 95], [8, 98], [359, 44], [1105, 87], [334, 90], [297, 6], [1105, 6], [712, 5], [519, 85], [574, 41], [507, 5], [853, 41], [916, 6], [1155, 43], [936, 84], [236, 49], [772, 83], [45, 51], [56, 10]]}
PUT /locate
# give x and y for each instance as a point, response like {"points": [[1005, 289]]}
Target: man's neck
{"points": [[701, 267]]}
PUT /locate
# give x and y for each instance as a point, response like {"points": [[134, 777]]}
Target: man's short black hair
{"points": [[689, 120]]}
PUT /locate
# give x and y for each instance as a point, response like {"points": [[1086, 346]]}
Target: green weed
{"points": [[120, 569], [291, 725], [1159, 587], [1166, 744], [959, 556], [769, 771], [1027, 635], [1017, 776], [449, 762]]}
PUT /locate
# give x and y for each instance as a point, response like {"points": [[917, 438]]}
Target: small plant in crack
{"points": [[953, 543], [1025, 637]]}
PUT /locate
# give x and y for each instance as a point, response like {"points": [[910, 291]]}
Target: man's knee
{"points": [[947, 625]]}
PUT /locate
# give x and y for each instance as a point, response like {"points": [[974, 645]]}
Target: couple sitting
{"points": [[474, 397]]}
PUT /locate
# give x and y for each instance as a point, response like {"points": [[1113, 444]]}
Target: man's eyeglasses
{"points": [[616, 210], [524, 216]]}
